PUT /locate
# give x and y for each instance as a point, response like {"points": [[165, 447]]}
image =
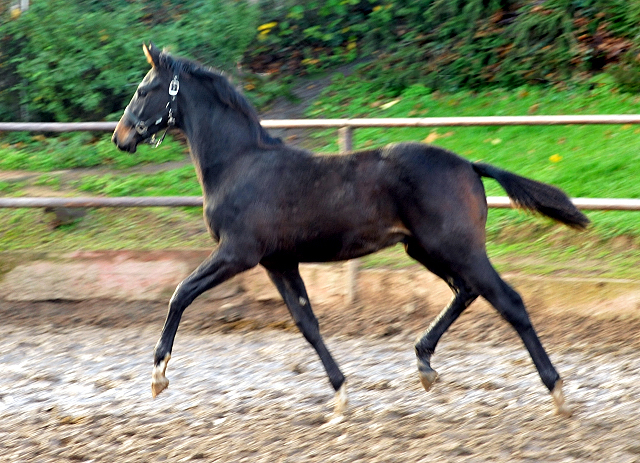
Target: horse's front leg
{"points": [[221, 265], [291, 287]]}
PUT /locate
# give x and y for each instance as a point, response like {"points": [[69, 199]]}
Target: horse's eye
{"points": [[142, 93]]}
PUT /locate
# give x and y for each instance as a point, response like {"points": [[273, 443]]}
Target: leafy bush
{"points": [[450, 45], [308, 35], [81, 60], [626, 72], [86, 71]]}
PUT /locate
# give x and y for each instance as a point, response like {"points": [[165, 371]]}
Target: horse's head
{"points": [[153, 106]]}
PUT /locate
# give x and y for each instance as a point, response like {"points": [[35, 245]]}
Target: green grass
{"points": [[105, 228], [74, 150], [9, 188], [175, 182]]}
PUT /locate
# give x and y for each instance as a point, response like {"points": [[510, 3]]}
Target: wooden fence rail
{"points": [[601, 119], [497, 202]]}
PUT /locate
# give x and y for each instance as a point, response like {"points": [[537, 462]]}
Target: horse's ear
{"points": [[152, 53]]}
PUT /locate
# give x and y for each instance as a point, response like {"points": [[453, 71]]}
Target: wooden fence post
{"points": [[345, 144]]}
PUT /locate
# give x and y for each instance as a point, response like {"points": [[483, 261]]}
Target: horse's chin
{"points": [[129, 147], [127, 141]]}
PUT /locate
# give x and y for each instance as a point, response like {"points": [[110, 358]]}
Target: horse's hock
{"points": [[399, 295]]}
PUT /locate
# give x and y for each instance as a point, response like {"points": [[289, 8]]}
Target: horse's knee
{"points": [[174, 302], [514, 297]]}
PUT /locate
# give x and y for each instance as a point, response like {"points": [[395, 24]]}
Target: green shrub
{"points": [[453, 44], [75, 63], [81, 60], [310, 35], [626, 72]]}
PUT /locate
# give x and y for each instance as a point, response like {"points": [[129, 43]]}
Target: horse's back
{"points": [[416, 183]]}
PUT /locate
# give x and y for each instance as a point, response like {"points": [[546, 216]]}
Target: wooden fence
{"points": [[345, 141], [345, 136]]}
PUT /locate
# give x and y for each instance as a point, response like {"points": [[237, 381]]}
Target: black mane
{"points": [[223, 89]]}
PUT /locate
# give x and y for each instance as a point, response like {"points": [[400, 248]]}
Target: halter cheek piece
{"points": [[142, 127]]}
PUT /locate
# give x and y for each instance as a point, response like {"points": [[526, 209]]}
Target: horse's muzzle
{"points": [[125, 138]]}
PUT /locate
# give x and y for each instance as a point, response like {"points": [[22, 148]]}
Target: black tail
{"points": [[536, 196]]}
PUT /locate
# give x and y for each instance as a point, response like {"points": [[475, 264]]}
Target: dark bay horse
{"points": [[271, 204]]}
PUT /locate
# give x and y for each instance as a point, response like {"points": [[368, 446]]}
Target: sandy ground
{"points": [[76, 387]]}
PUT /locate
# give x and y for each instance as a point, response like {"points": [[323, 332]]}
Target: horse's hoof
{"points": [[341, 401], [158, 384], [428, 375], [558, 399], [340, 406], [159, 381]]}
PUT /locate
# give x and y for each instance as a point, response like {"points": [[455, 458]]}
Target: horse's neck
{"points": [[217, 137]]}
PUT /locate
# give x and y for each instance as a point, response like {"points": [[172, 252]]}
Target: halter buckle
{"points": [[174, 86]]}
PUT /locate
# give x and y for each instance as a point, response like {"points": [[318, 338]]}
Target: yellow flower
{"points": [[555, 158], [267, 26]]}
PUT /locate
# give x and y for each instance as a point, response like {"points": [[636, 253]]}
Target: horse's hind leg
{"points": [[426, 343], [474, 275], [509, 304], [291, 287]]}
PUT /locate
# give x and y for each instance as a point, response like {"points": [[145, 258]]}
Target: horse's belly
{"points": [[348, 245]]}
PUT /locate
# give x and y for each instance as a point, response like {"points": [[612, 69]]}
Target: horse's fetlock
{"points": [[337, 381], [423, 352]]}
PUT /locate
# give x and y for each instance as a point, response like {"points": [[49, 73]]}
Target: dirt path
{"points": [[81, 393]]}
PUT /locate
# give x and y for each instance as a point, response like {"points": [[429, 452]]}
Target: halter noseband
{"points": [[142, 127]]}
